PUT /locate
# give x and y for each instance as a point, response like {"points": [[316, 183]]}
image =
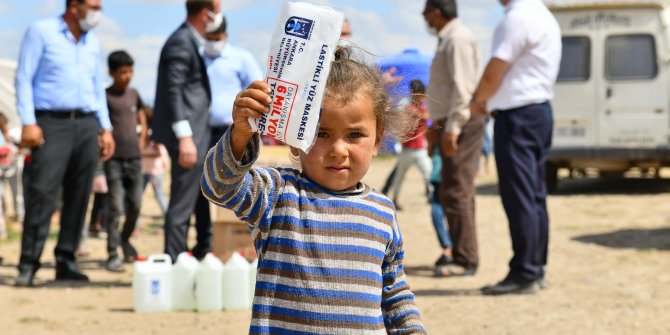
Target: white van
{"points": [[612, 103]]}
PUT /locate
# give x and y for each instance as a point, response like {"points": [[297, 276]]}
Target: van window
{"points": [[630, 57], [576, 59]]}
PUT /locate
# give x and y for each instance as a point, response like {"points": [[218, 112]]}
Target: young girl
{"points": [[414, 150], [329, 247]]}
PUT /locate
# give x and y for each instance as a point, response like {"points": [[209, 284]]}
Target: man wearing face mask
{"points": [[458, 133], [181, 119], [61, 100], [230, 69]]}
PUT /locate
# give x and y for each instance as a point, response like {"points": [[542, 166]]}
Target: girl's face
{"points": [[346, 142]]}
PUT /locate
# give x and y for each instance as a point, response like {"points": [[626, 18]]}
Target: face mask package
{"points": [[302, 49]]}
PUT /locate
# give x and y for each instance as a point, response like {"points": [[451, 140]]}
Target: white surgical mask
{"points": [[91, 20], [214, 48], [215, 24], [431, 30]]}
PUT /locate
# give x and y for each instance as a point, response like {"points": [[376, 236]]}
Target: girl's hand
{"points": [[253, 101]]}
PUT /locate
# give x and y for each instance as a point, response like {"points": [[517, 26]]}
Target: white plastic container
{"points": [[183, 282], [152, 284], [236, 283], [209, 284], [253, 269]]}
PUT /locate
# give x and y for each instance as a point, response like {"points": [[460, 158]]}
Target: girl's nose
{"points": [[339, 149]]}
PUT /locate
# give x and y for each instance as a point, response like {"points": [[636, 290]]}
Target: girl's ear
{"points": [[378, 144], [295, 151]]}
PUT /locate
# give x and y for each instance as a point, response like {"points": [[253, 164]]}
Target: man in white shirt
{"points": [[516, 88]]}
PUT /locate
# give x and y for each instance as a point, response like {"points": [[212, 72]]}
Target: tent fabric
{"points": [[7, 92], [410, 64]]}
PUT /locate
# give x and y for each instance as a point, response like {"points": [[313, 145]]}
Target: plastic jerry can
{"points": [[253, 269], [152, 284], [209, 284], [183, 282], [236, 283]]}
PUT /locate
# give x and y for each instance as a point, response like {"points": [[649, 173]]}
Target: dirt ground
{"points": [[608, 273]]}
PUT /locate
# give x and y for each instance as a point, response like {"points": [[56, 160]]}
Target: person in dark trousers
{"points": [[458, 133], [124, 170], [181, 117], [230, 70], [516, 88], [61, 101]]}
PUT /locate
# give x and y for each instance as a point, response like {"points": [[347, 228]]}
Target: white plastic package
{"points": [[302, 49]]}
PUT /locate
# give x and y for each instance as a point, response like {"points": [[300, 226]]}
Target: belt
{"points": [[65, 113]]}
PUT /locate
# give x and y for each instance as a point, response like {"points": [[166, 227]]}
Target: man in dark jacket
{"points": [[181, 117]]}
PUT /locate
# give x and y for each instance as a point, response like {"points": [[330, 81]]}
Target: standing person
{"points": [[453, 78], [61, 101], [230, 70], [181, 116], [414, 149], [124, 170], [155, 160], [437, 215], [322, 236], [516, 87]]}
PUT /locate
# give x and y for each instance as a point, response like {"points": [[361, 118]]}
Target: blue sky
{"points": [[383, 27]]}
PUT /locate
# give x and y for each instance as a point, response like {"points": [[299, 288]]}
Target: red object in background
{"points": [[269, 140]]}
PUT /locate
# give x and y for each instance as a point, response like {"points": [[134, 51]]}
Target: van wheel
{"points": [[551, 177]]}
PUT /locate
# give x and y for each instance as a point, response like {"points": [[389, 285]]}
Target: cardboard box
{"points": [[230, 234]]}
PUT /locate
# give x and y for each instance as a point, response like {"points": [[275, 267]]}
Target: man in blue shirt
{"points": [[62, 105], [230, 70]]}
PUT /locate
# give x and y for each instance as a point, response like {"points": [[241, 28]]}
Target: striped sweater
{"points": [[329, 262]]}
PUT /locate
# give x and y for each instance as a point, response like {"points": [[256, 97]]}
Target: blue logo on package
{"points": [[299, 27], [155, 287]]}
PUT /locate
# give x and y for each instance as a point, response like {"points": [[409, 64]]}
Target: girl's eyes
{"points": [[356, 134]]}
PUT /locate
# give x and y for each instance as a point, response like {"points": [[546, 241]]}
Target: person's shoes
{"points": [[114, 264], [509, 286], [25, 278], [454, 270], [129, 252], [199, 251], [444, 260], [542, 283], [69, 272]]}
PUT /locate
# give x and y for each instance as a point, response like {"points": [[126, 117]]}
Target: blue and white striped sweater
{"points": [[329, 262]]}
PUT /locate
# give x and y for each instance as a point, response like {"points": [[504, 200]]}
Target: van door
{"points": [[575, 105], [635, 88]]}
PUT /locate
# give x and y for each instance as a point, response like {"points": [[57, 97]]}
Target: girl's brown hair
{"points": [[350, 78]]}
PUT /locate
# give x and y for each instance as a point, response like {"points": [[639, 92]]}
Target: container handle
{"points": [[160, 258]]}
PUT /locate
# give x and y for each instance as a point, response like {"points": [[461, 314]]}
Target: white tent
{"points": [[7, 92]]}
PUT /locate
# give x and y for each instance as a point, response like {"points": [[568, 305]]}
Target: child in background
{"points": [[414, 149], [155, 160], [329, 246], [124, 169], [8, 152], [438, 217]]}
